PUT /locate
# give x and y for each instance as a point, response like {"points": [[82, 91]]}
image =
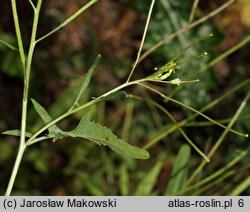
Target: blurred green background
{"points": [[113, 28]]}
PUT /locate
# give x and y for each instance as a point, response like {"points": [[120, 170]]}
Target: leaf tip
{"points": [[145, 156], [33, 101]]}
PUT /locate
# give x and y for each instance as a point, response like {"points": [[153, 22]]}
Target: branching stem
{"points": [[27, 70]]}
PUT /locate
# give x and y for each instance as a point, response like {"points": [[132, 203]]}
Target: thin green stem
{"points": [[216, 174], [155, 113], [226, 54], [32, 5], [8, 45], [18, 32], [207, 107], [32, 140], [193, 58], [209, 123], [68, 20], [216, 60], [194, 110], [22, 144], [194, 7], [220, 140], [181, 131], [43, 138], [186, 28], [175, 22], [15, 169], [143, 39], [172, 81], [28, 70], [213, 183]]}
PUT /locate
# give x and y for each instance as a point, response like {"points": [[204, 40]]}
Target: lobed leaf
{"points": [[94, 132], [103, 136]]}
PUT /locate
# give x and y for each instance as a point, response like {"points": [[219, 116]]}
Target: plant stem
{"points": [[226, 54], [15, 169], [18, 32], [186, 28], [22, 144], [214, 175], [32, 139], [221, 138], [196, 148], [8, 45], [194, 110], [194, 7], [68, 20], [32, 5], [207, 107], [143, 39]]}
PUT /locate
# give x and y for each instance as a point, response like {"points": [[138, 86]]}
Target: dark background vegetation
{"points": [[113, 28]]}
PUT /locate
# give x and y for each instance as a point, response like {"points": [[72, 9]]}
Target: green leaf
{"points": [[114, 95], [124, 180], [241, 187], [179, 173], [16, 133], [147, 183], [103, 136], [94, 132], [88, 182], [53, 130], [86, 80], [65, 99]]}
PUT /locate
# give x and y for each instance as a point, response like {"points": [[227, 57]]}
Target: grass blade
{"points": [[124, 180], [223, 135], [147, 183], [194, 110], [179, 173], [215, 175], [164, 133], [241, 188]]}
